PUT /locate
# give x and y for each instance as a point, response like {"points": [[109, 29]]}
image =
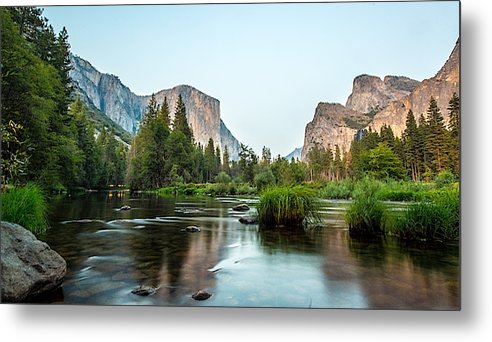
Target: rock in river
{"points": [[30, 267], [201, 295], [125, 207], [191, 229], [241, 207], [144, 290], [249, 220]]}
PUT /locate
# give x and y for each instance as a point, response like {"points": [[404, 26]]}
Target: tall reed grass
{"points": [[366, 213], [433, 219], [25, 206], [288, 206]]}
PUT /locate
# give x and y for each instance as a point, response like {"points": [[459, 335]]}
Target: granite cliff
{"points": [[375, 102], [110, 96]]}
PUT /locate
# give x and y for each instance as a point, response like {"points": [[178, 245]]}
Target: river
{"points": [[110, 252]]}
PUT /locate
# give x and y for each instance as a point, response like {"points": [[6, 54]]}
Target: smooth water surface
{"points": [[111, 252]]}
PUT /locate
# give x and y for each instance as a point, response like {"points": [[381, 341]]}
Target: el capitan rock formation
{"points": [[109, 95]]}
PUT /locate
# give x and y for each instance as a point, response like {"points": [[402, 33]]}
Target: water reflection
{"points": [[110, 252]]}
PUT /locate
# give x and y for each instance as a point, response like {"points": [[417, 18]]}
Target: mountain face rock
{"points": [[370, 93], [375, 102], [106, 93], [441, 87], [296, 154], [333, 124]]}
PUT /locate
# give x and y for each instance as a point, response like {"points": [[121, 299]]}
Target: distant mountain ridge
{"points": [[375, 102], [110, 96], [296, 154]]}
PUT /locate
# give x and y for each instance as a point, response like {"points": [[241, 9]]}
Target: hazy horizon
{"points": [[269, 65]]}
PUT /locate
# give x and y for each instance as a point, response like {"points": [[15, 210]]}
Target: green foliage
{"points": [[223, 178], [338, 190], [247, 163], [288, 206], [365, 214], [25, 206], [264, 179], [444, 178], [436, 219], [381, 163], [15, 159]]}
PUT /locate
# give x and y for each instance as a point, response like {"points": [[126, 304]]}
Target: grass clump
{"points": [[25, 206], [288, 206], [338, 190], [432, 219], [366, 213]]}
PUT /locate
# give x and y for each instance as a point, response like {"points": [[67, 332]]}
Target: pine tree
{"points": [[410, 143], [266, 156], [210, 160], [164, 113], [225, 161], [436, 138], [454, 133], [338, 163], [180, 122]]}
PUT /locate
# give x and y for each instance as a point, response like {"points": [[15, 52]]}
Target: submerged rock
{"points": [[201, 295], [144, 290], [249, 220], [191, 229], [241, 207], [125, 207], [30, 267]]}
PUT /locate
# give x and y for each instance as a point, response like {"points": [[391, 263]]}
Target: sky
{"points": [[269, 65]]}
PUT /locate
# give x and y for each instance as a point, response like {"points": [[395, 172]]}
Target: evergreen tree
{"points": [[225, 161], [436, 138], [180, 122], [247, 163], [164, 113], [266, 156], [337, 162], [210, 161], [410, 142], [454, 133]]}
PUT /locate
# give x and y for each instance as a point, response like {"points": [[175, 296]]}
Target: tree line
{"points": [[46, 135], [423, 151], [49, 137]]}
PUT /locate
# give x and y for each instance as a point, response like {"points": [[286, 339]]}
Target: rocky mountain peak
{"points": [[375, 102], [370, 94]]}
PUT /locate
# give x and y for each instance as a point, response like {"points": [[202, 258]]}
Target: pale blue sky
{"points": [[268, 64]]}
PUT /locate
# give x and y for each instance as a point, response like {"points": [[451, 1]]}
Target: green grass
{"points": [[436, 218], [209, 189], [288, 206], [25, 206], [366, 213], [338, 190]]}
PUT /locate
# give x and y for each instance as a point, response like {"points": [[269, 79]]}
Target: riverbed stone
{"points": [[249, 220], [201, 295], [30, 267], [125, 207], [144, 290], [241, 207], [191, 229]]}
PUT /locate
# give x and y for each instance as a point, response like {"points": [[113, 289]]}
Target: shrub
{"points": [[264, 179], [338, 190], [25, 206], [444, 178], [365, 214], [288, 206]]}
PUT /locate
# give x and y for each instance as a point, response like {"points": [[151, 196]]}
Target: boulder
{"points": [[201, 295], [125, 207], [249, 220], [30, 267], [241, 207], [144, 290], [191, 229]]}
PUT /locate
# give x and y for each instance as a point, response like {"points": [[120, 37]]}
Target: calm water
{"points": [[110, 252]]}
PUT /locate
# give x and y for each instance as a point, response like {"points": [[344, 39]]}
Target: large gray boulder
{"points": [[29, 266]]}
